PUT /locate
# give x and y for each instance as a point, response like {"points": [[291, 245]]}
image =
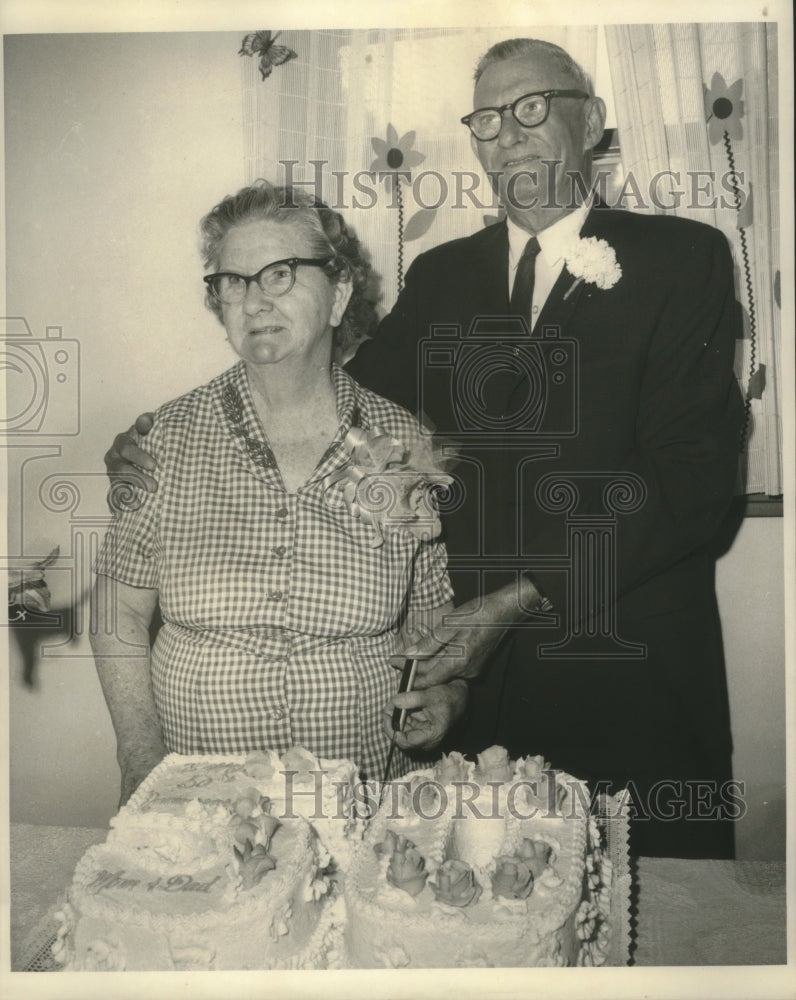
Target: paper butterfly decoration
{"points": [[270, 54]]}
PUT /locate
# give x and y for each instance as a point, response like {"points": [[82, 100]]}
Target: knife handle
{"points": [[407, 682]]}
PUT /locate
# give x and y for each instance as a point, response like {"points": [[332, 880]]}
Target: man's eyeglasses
{"points": [[274, 279], [529, 110]]}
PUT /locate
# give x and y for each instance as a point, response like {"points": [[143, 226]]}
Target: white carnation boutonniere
{"points": [[593, 261], [389, 486]]}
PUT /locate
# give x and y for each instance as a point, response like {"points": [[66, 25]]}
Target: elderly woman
{"points": [[281, 607]]}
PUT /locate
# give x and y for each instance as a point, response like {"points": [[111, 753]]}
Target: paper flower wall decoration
{"points": [[395, 159], [724, 110]]}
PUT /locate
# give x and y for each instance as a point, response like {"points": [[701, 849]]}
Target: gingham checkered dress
{"points": [[279, 613]]}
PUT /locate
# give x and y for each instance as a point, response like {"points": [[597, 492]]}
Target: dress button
{"points": [[278, 715], [279, 550], [282, 512], [515, 351], [275, 595]]}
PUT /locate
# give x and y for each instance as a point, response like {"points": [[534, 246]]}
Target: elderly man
{"points": [[581, 360]]}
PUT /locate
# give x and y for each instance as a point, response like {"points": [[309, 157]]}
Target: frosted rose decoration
{"points": [[513, 878], [493, 765], [298, 759], [451, 767], [254, 862], [536, 855], [260, 764], [251, 803], [532, 767], [253, 820], [456, 884], [406, 869], [245, 829], [389, 486], [593, 261], [266, 826]]}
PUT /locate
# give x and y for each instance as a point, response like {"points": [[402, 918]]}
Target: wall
{"points": [[749, 584], [115, 146]]}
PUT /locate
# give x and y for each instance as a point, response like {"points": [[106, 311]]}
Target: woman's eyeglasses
{"points": [[273, 279]]}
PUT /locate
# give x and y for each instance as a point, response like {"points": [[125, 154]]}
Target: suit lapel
{"points": [[561, 303], [491, 279]]}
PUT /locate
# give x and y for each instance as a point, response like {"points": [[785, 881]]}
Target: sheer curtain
{"points": [[346, 88], [700, 101]]}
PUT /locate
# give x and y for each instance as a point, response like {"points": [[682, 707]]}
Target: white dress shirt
{"points": [[550, 261]]}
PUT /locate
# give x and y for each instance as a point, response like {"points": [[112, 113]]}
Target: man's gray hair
{"points": [[533, 48]]}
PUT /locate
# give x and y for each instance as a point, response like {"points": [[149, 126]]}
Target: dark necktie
{"points": [[522, 292]]}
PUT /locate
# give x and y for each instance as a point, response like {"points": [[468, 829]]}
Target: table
{"points": [[686, 912]]}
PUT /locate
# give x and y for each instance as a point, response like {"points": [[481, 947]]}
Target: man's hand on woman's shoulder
{"points": [[126, 462]]}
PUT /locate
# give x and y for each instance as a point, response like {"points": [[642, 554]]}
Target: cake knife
{"points": [[398, 720]]}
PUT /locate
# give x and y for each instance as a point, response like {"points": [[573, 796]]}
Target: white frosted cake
{"points": [[490, 864], [213, 865], [259, 862]]}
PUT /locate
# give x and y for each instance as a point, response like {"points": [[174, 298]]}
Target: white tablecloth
{"points": [[686, 912]]}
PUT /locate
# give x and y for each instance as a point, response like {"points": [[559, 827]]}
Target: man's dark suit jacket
{"points": [[633, 385]]}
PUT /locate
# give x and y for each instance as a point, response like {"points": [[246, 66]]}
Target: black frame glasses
{"points": [[239, 293], [512, 106]]}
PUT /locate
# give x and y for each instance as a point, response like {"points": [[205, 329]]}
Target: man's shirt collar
{"points": [[553, 240]]}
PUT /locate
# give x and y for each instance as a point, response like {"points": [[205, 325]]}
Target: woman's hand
{"points": [[430, 714], [126, 462], [136, 766]]}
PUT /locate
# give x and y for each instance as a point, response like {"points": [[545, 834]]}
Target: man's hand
{"points": [[430, 714], [455, 653], [463, 650], [126, 462]]}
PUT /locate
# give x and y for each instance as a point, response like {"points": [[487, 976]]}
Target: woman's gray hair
{"points": [[328, 236], [533, 48]]}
